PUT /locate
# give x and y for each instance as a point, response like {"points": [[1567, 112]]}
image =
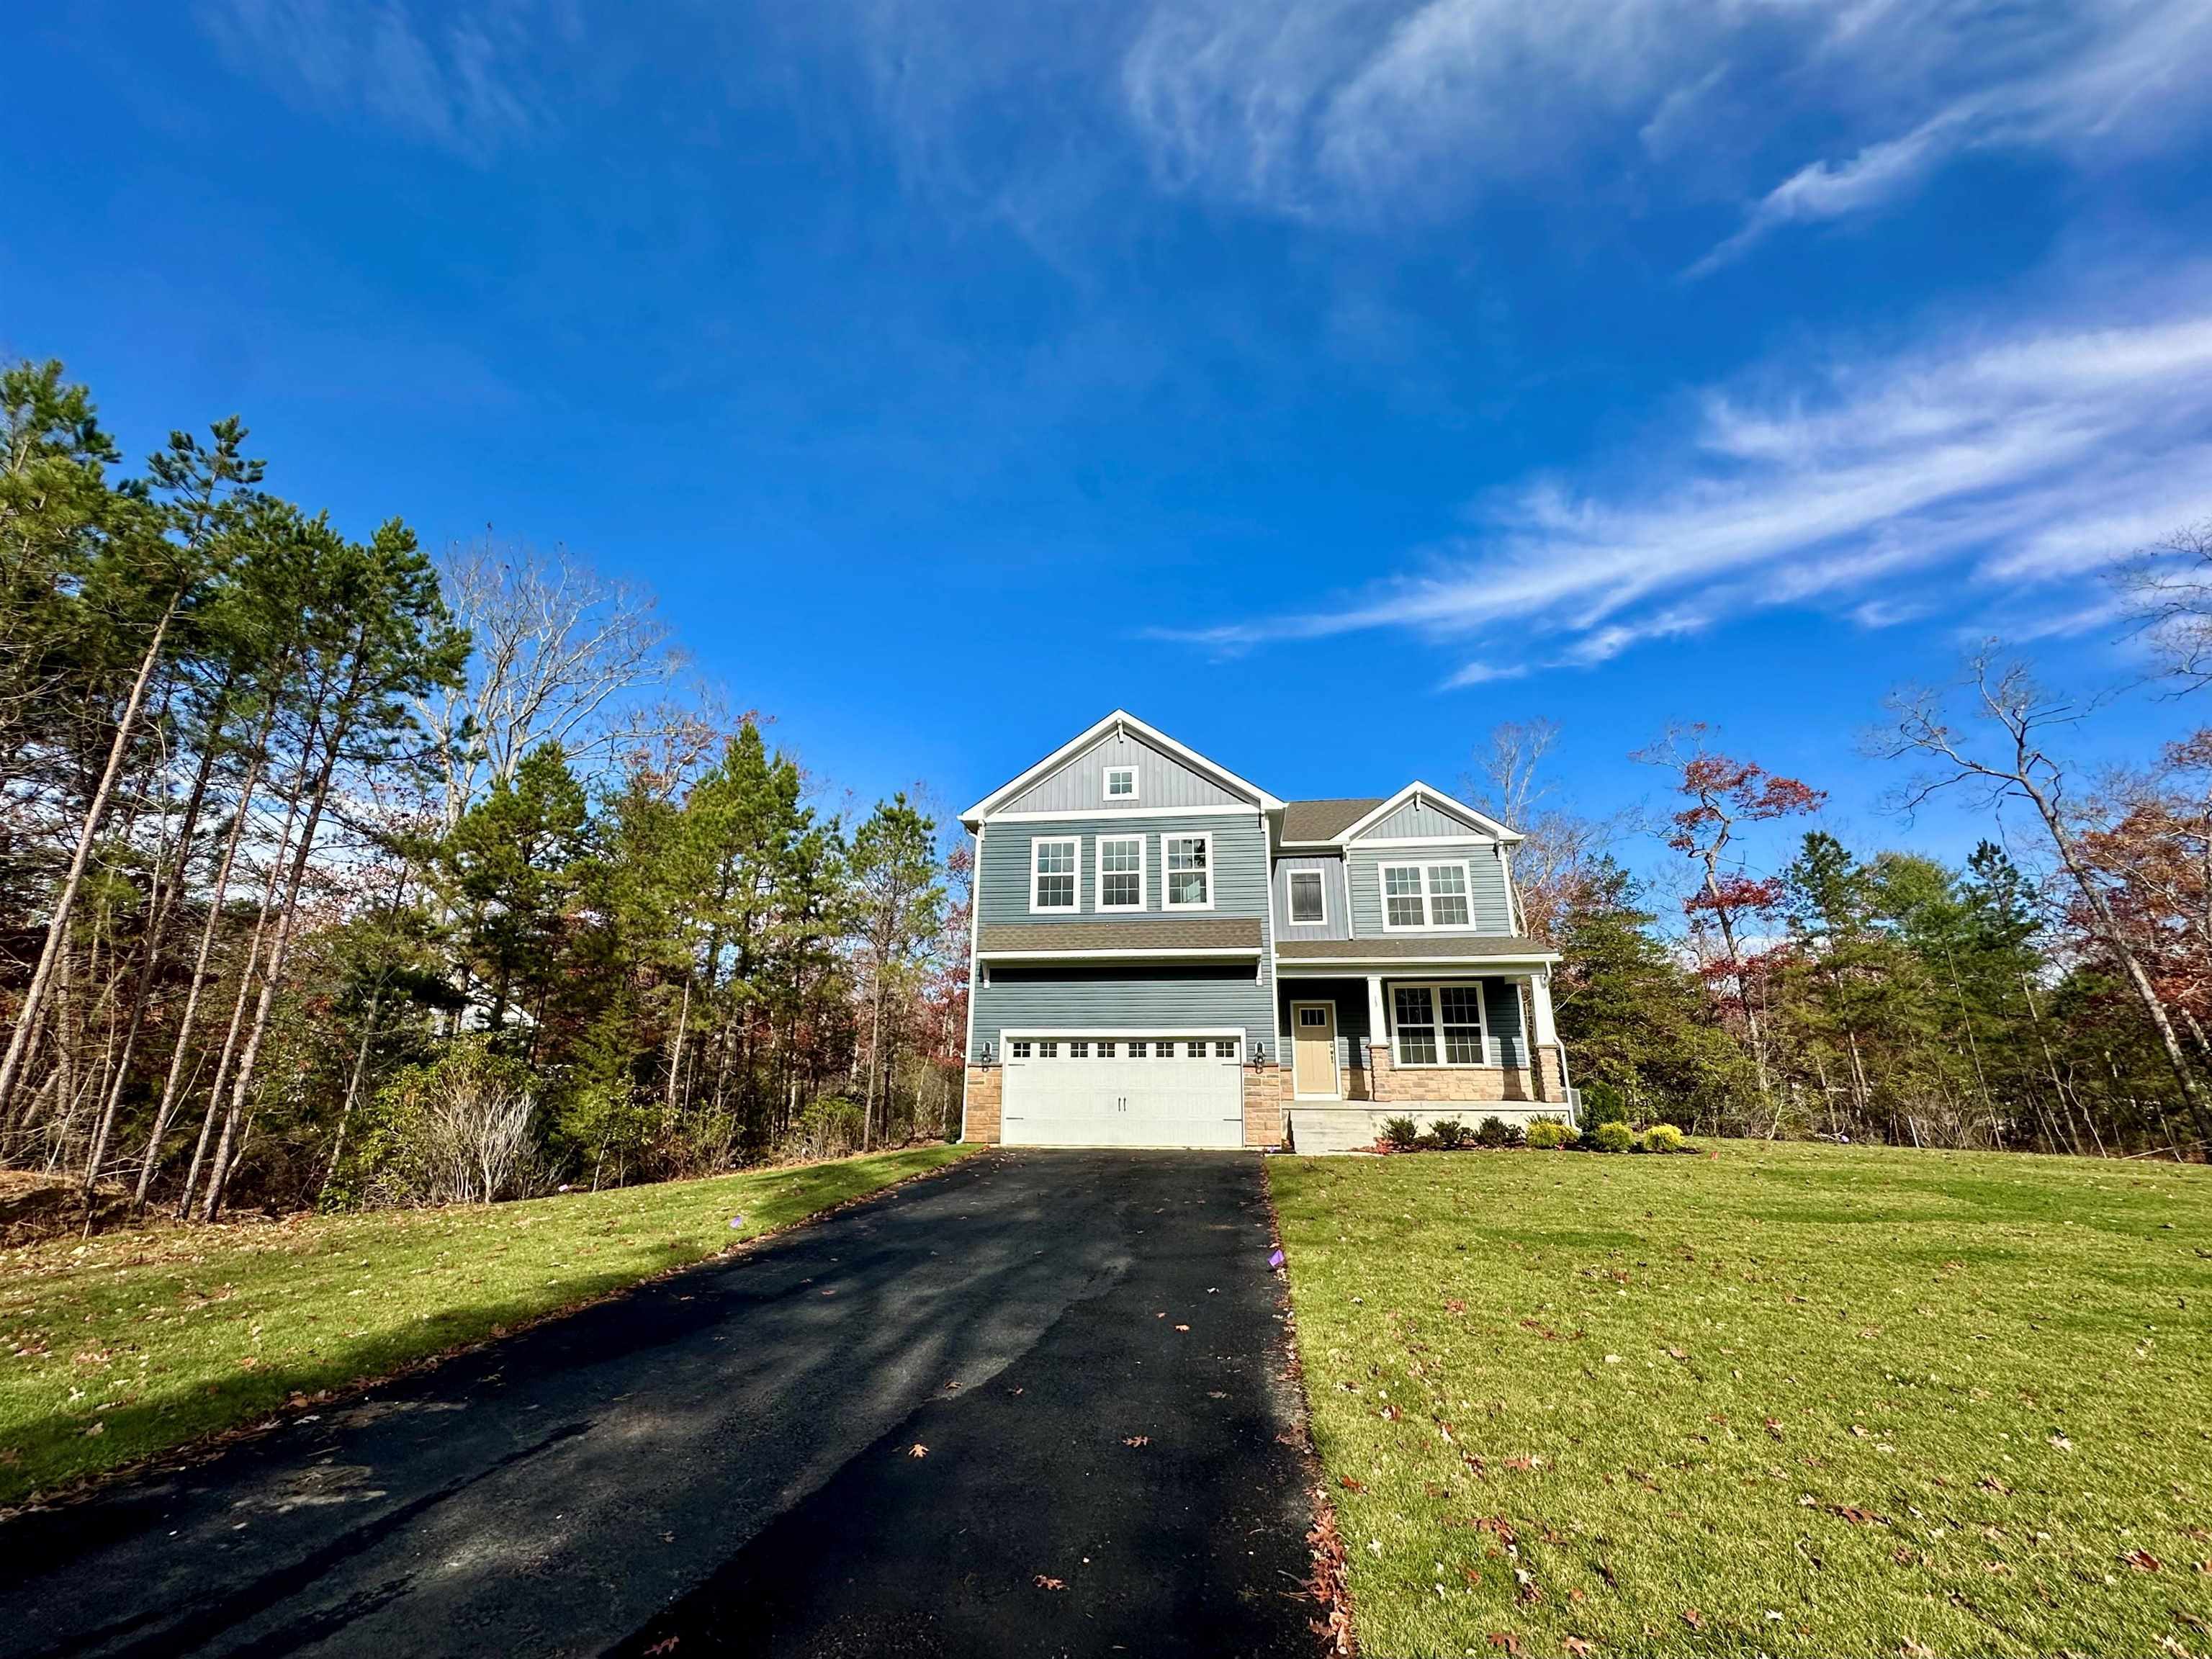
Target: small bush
{"points": [[1448, 1134], [1663, 1138], [1611, 1136], [829, 1128], [1491, 1132], [1401, 1134], [1549, 1134]]}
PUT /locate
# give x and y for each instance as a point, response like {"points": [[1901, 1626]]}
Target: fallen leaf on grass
{"points": [[2061, 1441], [1506, 1639], [1043, 1581], [917, 1450], [1991, 1483], [1693, 1619], [1858, 1516], [1351, 1484], [1774, 1427], [2143, 1561], [1576, 1646]]}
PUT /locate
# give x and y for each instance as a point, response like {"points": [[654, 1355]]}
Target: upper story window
{"points": [[1121, 783], [1052, 873], [1187, 863], [1426, 895], [1307, 908], [1121, 872]]}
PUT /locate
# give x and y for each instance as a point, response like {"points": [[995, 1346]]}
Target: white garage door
{"points": [[1120, 1089]]}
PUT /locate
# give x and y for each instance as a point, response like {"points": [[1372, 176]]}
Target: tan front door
{"points": [[1313, 1050]]}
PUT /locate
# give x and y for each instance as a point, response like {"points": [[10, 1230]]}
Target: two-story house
{"points": [[1166, 955]]}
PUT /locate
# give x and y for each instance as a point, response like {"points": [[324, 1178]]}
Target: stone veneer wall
{"points": [[1416, 1084], [1265, 1087], [982, 1120]]}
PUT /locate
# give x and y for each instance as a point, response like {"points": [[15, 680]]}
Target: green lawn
{"points": [[116, 1349], [1791, 1400]]}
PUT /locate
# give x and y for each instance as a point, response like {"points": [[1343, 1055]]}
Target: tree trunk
{"points": [[353, 1091], [171, 1084], [165, 899], [34, 997]]}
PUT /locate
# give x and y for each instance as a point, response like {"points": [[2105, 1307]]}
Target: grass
{"points": [[133, 1343], [1777, 1399]]}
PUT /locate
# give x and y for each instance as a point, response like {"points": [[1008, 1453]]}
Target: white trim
{"points": [[1168, 900], [1121, 717], [1076, 1033], [1449, 806], [1232, 953], [1336, 1064], [1429, 841], [1426, 925], [1092, 814], [1322, 967], [1106, 775], [1098, 867], [1435, 989], [1289, 898], [1037, 844]]}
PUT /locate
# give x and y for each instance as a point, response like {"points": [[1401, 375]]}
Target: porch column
{"points": [[1544, 1035], [1378, 1037]]}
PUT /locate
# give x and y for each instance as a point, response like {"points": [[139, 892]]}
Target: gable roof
{"points": [[1449, 804], [1260, 799], [1308, 821]]}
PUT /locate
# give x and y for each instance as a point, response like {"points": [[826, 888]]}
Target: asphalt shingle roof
{"points": [[1325, 820]]}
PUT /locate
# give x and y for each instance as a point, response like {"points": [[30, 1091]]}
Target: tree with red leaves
{"points": [[1722, 794]]}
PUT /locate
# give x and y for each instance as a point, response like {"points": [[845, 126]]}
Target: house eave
{"points": [[1262, 800]]}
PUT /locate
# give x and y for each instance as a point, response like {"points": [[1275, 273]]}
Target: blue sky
{"points": [[1322, 382]]}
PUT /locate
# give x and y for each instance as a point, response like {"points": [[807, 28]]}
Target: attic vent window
{"points": [[1121, 783]]}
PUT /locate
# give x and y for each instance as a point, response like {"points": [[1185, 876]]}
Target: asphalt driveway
{"points": [[731, 1459]]}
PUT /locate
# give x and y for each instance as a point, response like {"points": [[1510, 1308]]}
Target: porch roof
{"points": [[1153, 936], [1474, 950]]}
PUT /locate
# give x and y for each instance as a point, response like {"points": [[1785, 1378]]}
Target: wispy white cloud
{"points": [[1963, 472], [458, 82]]}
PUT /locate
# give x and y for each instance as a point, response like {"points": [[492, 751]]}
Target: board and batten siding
{"points": [[1163, 782], [1417, 819], [1486, 904], [1240, 864], [1336, 907]]}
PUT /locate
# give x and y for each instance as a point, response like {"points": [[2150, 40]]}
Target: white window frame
{"points": [[1435, 989], [1106, 783], [1291, 879], [1168, 900], [1104, 842], [1428, 898], [1037, 844]]}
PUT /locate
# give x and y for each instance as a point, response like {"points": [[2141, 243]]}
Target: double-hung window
{"points": [[1052, 873], [1426, 895], [1188, 878], [1121, 872], [1439, 1024]]}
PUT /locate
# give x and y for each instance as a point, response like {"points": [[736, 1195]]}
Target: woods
{"points": [[335, 873]]}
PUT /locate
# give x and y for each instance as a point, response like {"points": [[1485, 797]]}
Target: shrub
{"points": [[828, 1128], [1610, 1136], [1663, 1138], [1549, 1134], [1448, 1134], [1491, 1132], [457, 1131], [1603, 1103], [1401, 1134]]}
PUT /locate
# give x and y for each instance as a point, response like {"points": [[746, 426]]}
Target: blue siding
{"points": [[1072, 998], [1486, 876], [1240, 864], [1335, 902], [1501, 1007], [1350, 996]]}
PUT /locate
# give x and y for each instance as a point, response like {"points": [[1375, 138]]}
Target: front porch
{"points": [[1417, 1042]]}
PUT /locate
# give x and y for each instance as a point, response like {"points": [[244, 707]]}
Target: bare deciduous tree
{"points": [[2168, 586], [558, 649], [2022, 768]]}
